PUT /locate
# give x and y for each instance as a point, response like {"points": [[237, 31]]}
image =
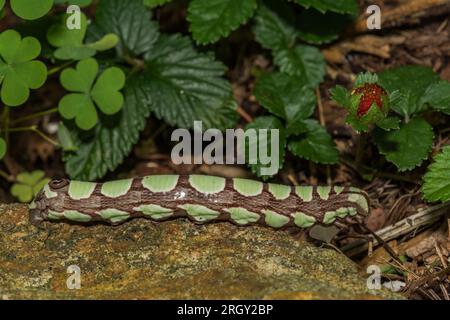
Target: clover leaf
{"points": [[29, 10], [69, 42], [28, 185], [105, 93], [2, 148], [81, 3], [18, 71]]}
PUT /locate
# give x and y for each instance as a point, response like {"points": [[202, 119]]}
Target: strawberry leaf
{"points": [[186, 85], [275, 30], [318, 28], [411, 83], [315, 145], [436, 182], [287, 97], [155, 3], [130, 21], [408, 146], [343, 6], [267, 122], [438, 96], [212, 19]]}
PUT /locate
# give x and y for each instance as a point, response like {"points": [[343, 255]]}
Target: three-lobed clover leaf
{"points": [[28, 185], [19, 72], [69, 42], [29, 10], [2, 148], [105, 92]]}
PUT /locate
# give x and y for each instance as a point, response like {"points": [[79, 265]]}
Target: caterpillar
{"points": [[201, 199]]}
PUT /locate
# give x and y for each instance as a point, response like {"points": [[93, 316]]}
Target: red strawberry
{"points": [[370, 93]]}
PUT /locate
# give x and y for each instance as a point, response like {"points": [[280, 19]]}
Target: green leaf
{"points": [[287, 97], [356, 124], [65, 139], [70, 42], [304, 61], [104, 148], [81, 3], [275, 30], [2, 148], [411, 83], [364, 78], [155, 3], [269, 123], [341, 96], [315, 27], [105, 93], [187, 86], [28, 185], [407, 147], [342, 6], [212, 19], [275, 25], [18, 71], [31, 10], [438, 96], [130, 21], [436, 182], [390, 123], [315, 145]]}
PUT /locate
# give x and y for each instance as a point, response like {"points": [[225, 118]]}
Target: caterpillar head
{"points": [[38, 208]]}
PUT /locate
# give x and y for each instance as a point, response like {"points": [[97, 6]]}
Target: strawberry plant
{"points": [[402, 135]]}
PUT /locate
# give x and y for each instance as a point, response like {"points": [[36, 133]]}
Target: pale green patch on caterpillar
{"points": [[304, 192], [343, 212], [207, 184], [77, 216], [49, 193], [161, 183], [248, 188], [324, 192], [53, 215], [114, 189], [329, 217], [242, 216], [154, 211], [200, 213], [338, 189], [360, 200], [32, 205], [114, 215], [303, 220], [81, 190], [280, 192], [275, 220]]}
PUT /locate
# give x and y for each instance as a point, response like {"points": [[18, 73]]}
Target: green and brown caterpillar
{"points": [[201, 199]]}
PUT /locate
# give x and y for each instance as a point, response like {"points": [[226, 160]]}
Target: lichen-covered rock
{"points": [[170, 260]]}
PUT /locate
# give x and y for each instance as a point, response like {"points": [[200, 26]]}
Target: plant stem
{"points": [[6, 176], [35, 130], [58, 68], [34, 115], [360, 144]]}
